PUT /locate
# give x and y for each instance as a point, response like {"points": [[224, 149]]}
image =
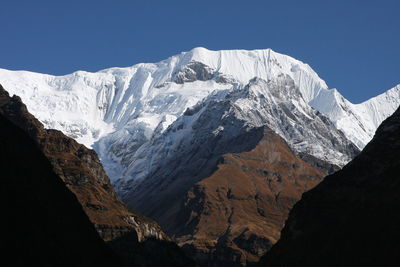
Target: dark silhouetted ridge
{"points": [[43, 223], [352, 218], [78, 169]]}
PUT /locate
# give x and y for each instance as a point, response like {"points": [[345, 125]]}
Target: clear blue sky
{"points": [[353, 45]]}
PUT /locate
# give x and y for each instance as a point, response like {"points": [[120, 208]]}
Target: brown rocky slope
{"points": [[235, 215], [42, 221], [352, 217]]}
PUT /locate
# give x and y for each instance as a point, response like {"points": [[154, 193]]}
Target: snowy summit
{"points": [[123, 113]]}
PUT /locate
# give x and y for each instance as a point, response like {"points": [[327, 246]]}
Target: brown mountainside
{"points": [[234, 216], [351, 218]]}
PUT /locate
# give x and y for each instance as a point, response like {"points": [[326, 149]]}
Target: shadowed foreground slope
{"points": [[352, 218], [81, 171], [43, 223], [83, 174]]}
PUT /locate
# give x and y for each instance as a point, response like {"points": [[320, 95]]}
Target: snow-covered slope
{"points": [[357, 121], [85, 104], [119, 110]]}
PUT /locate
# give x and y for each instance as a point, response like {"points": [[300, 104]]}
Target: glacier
{"points": [[121, 112]]}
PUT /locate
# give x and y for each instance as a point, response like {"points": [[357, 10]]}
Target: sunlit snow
{"points": [[117, 110]]}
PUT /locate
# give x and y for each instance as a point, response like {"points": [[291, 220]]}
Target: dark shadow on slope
{"points": [[351, 218], [80, 170], [43, 223], [149, 253]]}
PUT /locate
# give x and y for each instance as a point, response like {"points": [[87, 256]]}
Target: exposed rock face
{"points": [[82, 172], [43, 223], [234, 216], [197, 71], [352, 217], [192, 72]]}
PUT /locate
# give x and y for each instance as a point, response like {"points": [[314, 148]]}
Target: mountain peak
{"points": [[119, 109], [244, 65]]}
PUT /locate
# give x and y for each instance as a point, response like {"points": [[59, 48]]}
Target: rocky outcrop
{"points": [[82, 172], [192, 72], [352, 217], [197, 71], [42, 221], [235, 215]]}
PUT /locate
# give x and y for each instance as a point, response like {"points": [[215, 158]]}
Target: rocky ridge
{"points": [[82, 172]]}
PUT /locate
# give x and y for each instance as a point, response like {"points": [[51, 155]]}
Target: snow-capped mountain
{"points": [[227, 114], [228, 121], [357, 121], [121, 111], [164, 130]]}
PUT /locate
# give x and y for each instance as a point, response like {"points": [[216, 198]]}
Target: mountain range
{"points": [[205, 138], [126, 107]]}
